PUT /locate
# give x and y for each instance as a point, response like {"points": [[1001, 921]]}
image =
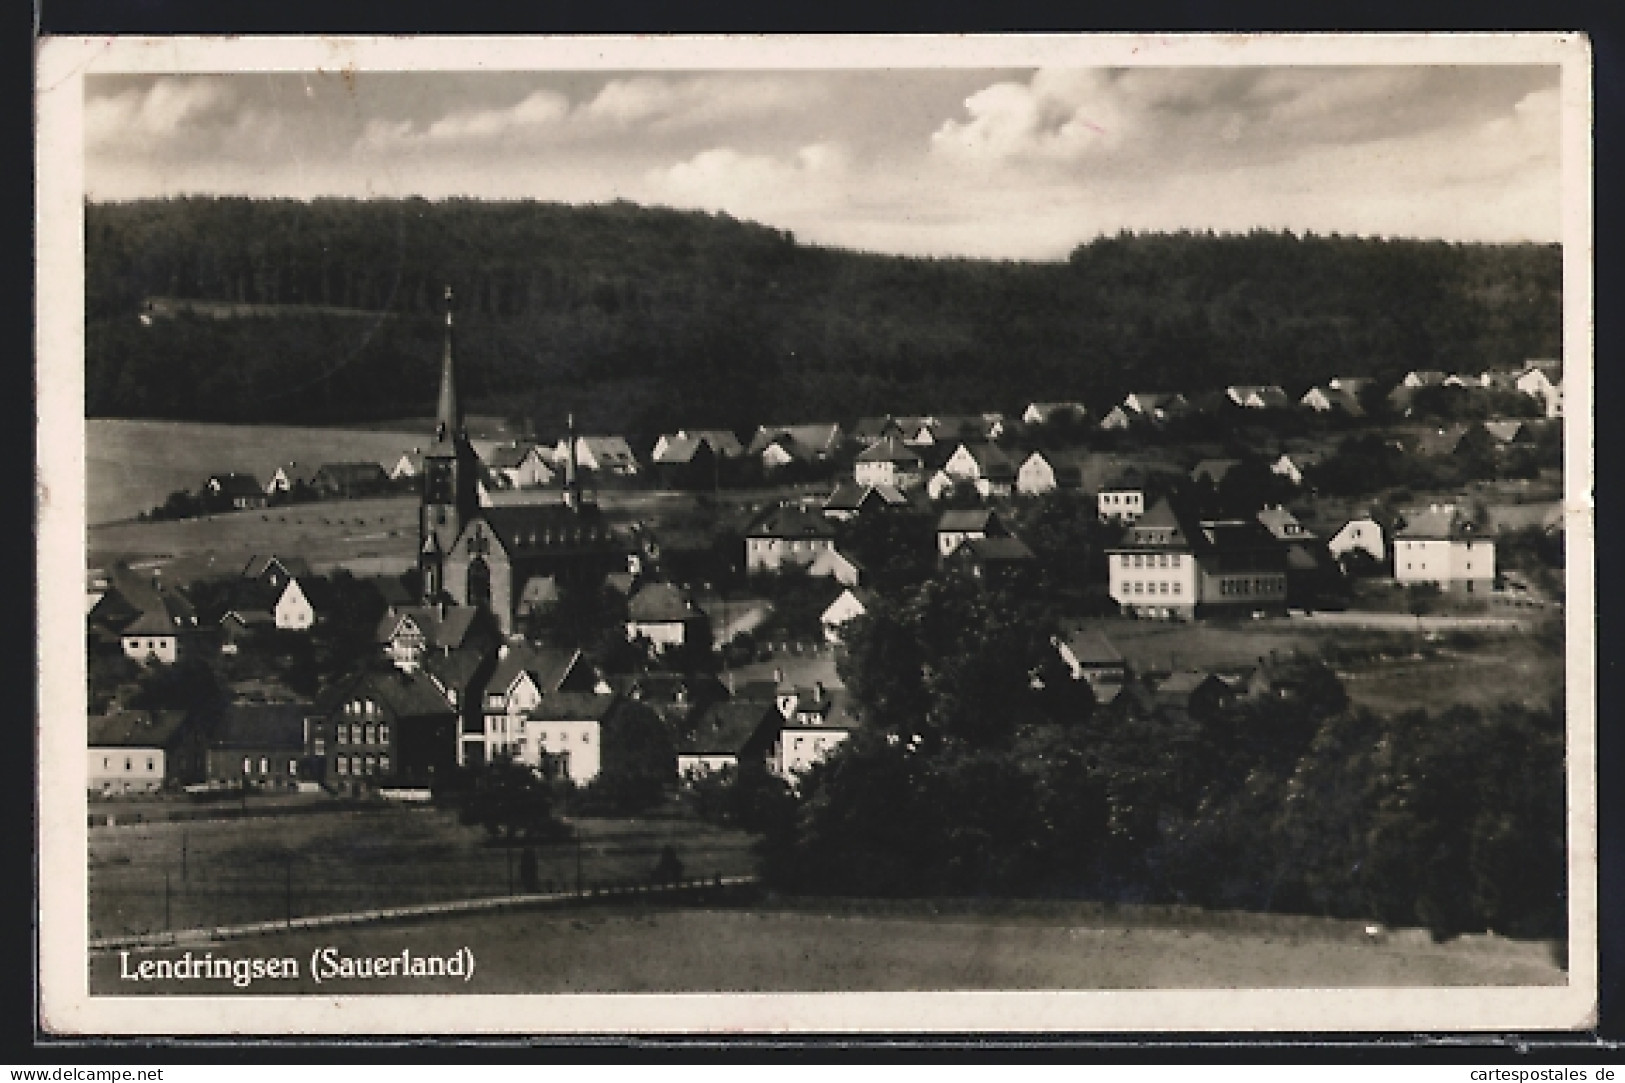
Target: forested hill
{"points": [[643, 319]]}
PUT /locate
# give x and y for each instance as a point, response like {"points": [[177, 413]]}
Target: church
{"points": [[508, 560]]}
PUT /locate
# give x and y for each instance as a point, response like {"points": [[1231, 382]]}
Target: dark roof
{"points": [[549, 667], [991, 461], [726, 728], [136, 729], [261, 725], [680, 449], [1091, 648], [293, 567], [511, 456], [403, 695], [391, 589], [446, 627], [661, 602], [456, 669], [1436, 524], [1185, 682], [352, 472], [551, 529], [1216, 469], [967, 519], [792, 522], [993, 549], [573, 707], [236, 485], [890, 450]]}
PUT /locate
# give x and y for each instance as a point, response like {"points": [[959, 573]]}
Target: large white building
{"points": [[1174, 566], [1440, 546]]}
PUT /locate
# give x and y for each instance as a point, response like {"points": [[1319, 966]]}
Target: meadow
{"points": [[812, 946], [131, 466], [147, 877]]}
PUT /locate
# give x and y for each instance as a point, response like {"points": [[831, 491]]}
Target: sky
{"points": [[1014, 164]]}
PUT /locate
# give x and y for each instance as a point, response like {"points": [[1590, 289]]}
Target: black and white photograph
{"points": [[1029, 533]]}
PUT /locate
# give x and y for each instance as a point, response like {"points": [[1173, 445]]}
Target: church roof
{"points": [[551, 529]]}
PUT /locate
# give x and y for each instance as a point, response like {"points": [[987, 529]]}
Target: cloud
{"points": [[726, 178], [693, 102], [160, 111]]}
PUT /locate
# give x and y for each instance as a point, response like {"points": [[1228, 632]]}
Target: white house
{"points": [[834, 564], [1439, 546], [1363, 534], [853, 603], [1120, 502], [787, 536], [1292, 465], [522, 675], [563, 735], [957, 526], [522, 466], [889, 462], [983, 466], [1543, 380], [665, 615], [1044, 472], [605, 454], [1258, 396], [293, 610], [1039, 413], [409, 465], [128, 751]]}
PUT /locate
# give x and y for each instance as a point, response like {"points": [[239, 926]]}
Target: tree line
{"points": [[644, 319]]}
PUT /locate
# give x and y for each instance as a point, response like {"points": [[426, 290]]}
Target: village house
{"points": [[1042, 413], [1543, 380], [521, 466], [1145, 407], [868, 431], [686, 462], [408, 466], [1213, 471], [1441, 546], [349, 481], [833, 564], [409, 633], [1324, 400], [786, 536], [814, 722], [809, 443], [680, 445], [1362, 534], [1090, 656], [848, 500], [1192, 693], [460, 676], [1282, 524], [1258, 396], [522, 675], [726, 734], [235, 491], [1291, 465], [291, 477], [141, 752], [852, 603], [665, 615], [959, 525], [600, 454], [992, 559], [1174, 566], [1121, 500], [889, 462], [984, 466], [257, 746], [1046, 471], [383, 729], [153, 622], [563, 735]]}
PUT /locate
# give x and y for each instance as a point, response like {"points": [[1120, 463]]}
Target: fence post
{"points": [[166, 900]]}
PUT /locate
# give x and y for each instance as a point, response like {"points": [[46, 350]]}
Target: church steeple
{"points": [[449, 415]]}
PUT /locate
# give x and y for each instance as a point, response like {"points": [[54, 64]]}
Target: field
{"points": [[830, 948], [222, 872]]}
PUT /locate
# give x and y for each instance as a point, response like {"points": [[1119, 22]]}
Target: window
{"points": [[106, 763], [371, 765], [1176, 588], [318, 747], [149, 763], [265, 765], [1162, 588], [383, 733], [542, 736], [341, 734], [586, 738], [1176, 560], [248, 765], [341, 764], [127, 763], [383, 764], [293, 768], [369, 733]]}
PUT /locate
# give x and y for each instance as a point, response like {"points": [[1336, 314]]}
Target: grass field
{"points": [[223, 872], [806, 950]]}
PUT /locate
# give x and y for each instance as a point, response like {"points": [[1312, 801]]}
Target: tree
{"points": [[639, 759], [511, 802]]}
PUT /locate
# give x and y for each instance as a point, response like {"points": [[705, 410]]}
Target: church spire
{"points": [[449, 416]]}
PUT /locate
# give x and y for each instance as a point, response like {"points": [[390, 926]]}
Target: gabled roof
{"points": [[727, 728], [261, 725], [993, 549], [549, 667], [1270, 396], [1090, 647], [350, 473], [1504, 431], [1182, 685], [391, 589], [677, 450], [445, 627], [873, 428], [1047, 411], [722, 441], [819, 438], [457, 669], [659, 603], [603, 450], [890, 450], [1214, 469], [292, 567], [528, 530], [963, 520], [1282, 524], [1436, 524], [511, 456], [573, 707], [235, 485], [403, 695], [865, 599], [173, 616], [991, 461], [135, 729], [791, 522]]}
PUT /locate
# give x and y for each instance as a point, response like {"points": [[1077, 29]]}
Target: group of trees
{"points": [[646, 320], [983, 768]]}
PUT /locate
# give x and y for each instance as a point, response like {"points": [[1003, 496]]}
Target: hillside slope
{"points": [[641, 319]]}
